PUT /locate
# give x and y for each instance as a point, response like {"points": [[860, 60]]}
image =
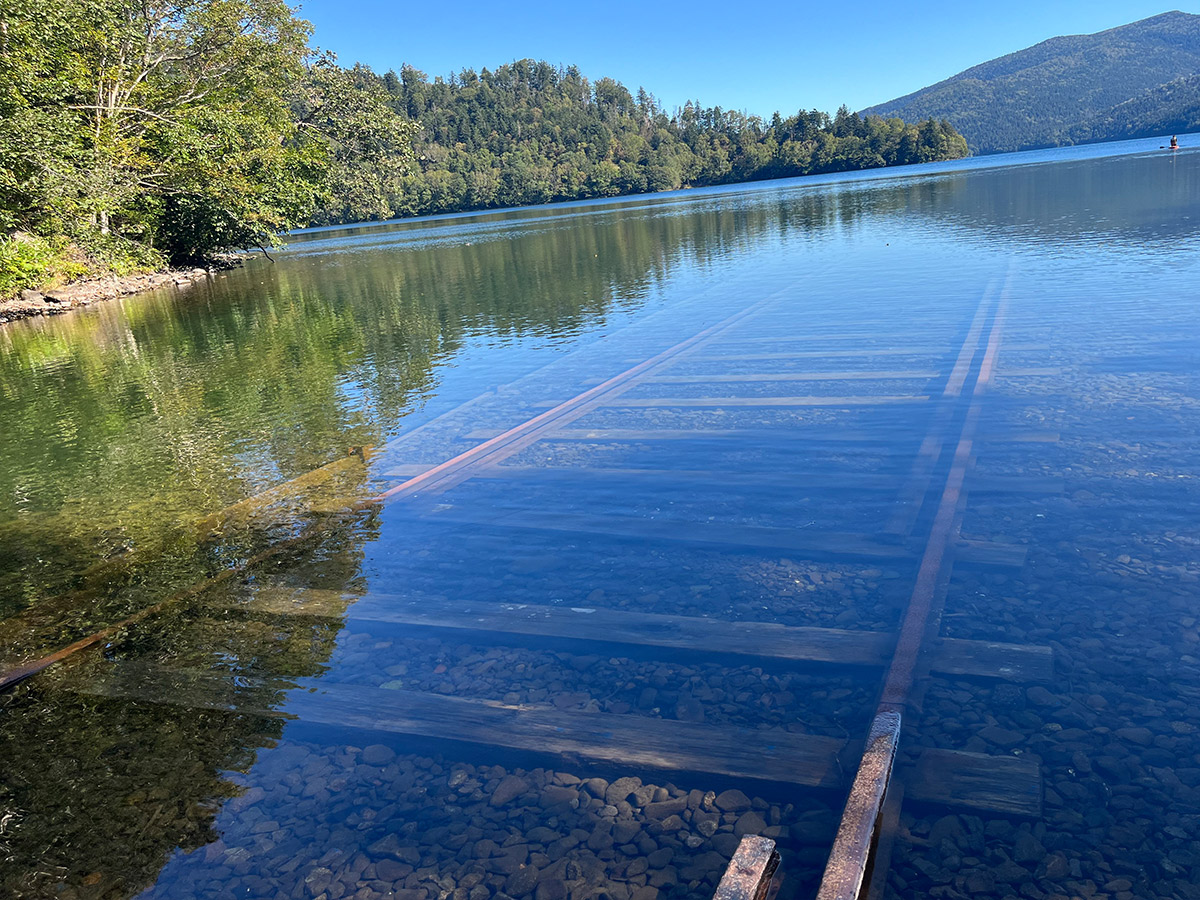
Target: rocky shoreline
{"points": [[78, 294]]}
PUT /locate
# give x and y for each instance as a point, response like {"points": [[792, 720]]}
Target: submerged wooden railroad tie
{"points": [[960, 779], [865, 481], [694, 634], [816, 544], [736, 402]]}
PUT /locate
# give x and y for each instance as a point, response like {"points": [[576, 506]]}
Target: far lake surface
{"points": [[544, 553]]}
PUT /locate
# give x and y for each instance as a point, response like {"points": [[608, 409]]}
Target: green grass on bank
{"points": [[30, 261]]}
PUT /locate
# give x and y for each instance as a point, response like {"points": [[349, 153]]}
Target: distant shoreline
{"points": [[966, 164]]}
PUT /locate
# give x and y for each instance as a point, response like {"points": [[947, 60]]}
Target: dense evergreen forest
{"points": [[530, 132], [1171, 108], [1137, 80], [140, 133]]}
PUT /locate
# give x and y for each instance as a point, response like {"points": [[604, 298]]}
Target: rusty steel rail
{"points": [[872, 796], [854, 846], [751, 870], [442, 477], [921, 476]]}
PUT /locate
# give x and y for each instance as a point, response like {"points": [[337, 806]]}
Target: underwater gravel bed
{"points": [[1117, 734], [343, 821], [1118, 752]]}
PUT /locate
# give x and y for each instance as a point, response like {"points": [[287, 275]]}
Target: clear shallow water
{"points": [[180, 760]]}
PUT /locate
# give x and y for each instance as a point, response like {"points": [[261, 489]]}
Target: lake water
{"points": [[697, 443]]}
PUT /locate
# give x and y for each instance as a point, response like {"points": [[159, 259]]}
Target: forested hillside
{"points": [[530, 132], [1124, 82], [136, 134], [1172, 108]]}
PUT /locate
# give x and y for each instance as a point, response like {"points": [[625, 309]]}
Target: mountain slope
{"points": [[1171, 108], [1068, 88]]}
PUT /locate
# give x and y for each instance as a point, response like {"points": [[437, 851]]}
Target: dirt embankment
{"points": [[54, 301]]}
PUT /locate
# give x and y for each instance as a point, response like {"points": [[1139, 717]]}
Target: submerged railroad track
{"points": [[918, 531]]}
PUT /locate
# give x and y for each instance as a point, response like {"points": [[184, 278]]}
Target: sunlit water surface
{"points": [[519, 682]]}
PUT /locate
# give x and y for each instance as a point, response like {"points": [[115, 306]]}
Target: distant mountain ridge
{"points": [[1137, 80]]}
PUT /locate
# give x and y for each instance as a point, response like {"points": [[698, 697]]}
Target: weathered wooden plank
{"points": [[781, 756], [634, 434], [1011, 436], [989, 553], [762, 640], [1015, 484], [810, 337], [658, 743], [855, 375], [749, 874], [1013, 662], [408, 470], [724, 402], [618, 435], [588, 624], [701, 478], [1028, 372], [824, 543], [831, 353], [859, 375], [1007, 784]]}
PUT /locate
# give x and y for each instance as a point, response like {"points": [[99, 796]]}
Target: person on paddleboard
{"points": [[1174, 142]]}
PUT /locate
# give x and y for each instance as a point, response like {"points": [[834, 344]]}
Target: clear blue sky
{"points": [[756, 57]]}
